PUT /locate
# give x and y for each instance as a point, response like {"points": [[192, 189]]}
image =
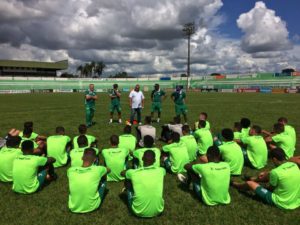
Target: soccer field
{"points": [[181, 207]]}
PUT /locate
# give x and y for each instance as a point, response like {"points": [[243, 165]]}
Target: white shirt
{"points": [[136, 98], [176, 128]]}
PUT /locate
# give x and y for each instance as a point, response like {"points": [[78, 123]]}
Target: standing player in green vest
{"points": [[178, 97], [156, 97], [115, 103], [90, 98]]}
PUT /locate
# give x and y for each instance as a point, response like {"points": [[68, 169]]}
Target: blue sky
{"points": [[286, 9]]}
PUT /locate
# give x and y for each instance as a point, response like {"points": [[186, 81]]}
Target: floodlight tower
{"points": [[188, 30]]}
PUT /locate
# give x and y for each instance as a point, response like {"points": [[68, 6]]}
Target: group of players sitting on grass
{"points": [[197, 157]]}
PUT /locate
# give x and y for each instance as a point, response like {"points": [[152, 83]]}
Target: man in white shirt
{"points": [[146, 129], [136, 103]]}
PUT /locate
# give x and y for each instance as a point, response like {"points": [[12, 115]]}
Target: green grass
{"points": [[50, 205]]}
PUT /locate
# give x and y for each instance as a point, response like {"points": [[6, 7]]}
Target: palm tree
{"points": [[80, 68], [99, 68]]}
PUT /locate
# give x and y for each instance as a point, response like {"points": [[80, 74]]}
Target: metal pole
{"points": [[188, 64]]}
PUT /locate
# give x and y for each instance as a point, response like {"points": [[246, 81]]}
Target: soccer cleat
{"points": [[182, 178], [120, 121], [110, 121], [158, 119], [140, 123]]}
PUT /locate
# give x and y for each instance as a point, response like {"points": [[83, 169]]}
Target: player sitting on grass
{"points": [[7, 156], [175, 154], [168, 129], [77, 153], [283, 188], [39, 144], [139, 153], [231, 152], [116, 159], [30, 172], [281, 139], [146, 129], [237, 128], [145, 187], [204, 139], [256, 152], [190, 142], [58, 147], [82, 129], [127, 140], [28, 136], [245, 124], [288, 128], [202, 116], [211, 180], [87, 184]]}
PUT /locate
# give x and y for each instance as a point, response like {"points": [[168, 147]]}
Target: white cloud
{"points": [[264, 31]]}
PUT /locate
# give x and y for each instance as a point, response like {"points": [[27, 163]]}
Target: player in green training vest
{"points": [[176, 154], [190, 142], [256, 153], [116, 159], [245, 123], [237, 128], [90, 98], [127, 140], [145, 187], [284, 185], [156, 98], [77, 153], [58, 147], [213, 186], [7, 156], [231, 152], [139, 153], [33, 136], [82, 129], [179, 97], [279, 138], [31, 171], [87, 184], [204, 139], [288, 128], [202, 116], [115, 104]]}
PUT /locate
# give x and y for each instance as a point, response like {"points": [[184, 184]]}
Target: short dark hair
{"points": [[186, 128], [60, 130], [282, 120], [238, 126], [227, 134], [202, 124], [245, 122], [204, 114], [82, 128], [213, 154], [148, 119], [27, 131], [127, 129], [278, 154], [13, 141], [278, 128], [28, 124], [89, 152], [115, 86], [175, 137], [177, 119], [82, 140], [27, 145], [114, 139], [149, 155], [257, 129], [148, 141]]}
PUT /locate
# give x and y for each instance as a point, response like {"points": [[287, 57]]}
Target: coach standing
{"points": [[90, 98], [136, 103]]}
